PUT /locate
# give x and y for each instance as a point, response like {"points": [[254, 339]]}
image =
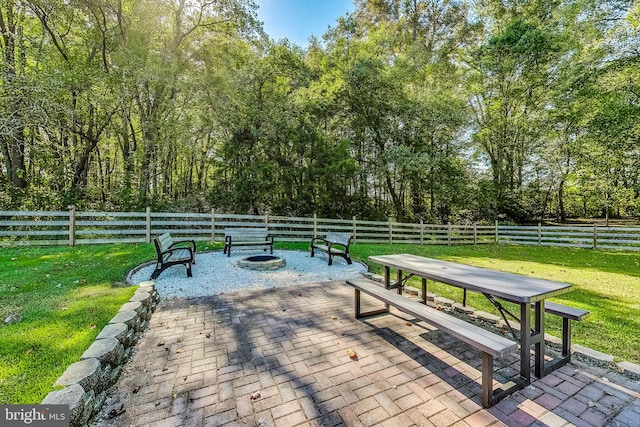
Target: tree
{"points": [[13, 84], [510, 75]]}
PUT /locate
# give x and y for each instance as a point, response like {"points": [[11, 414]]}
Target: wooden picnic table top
{"points": [[508, 286]]}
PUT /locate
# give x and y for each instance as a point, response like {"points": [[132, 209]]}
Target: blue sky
{"points": [[296, 20]]}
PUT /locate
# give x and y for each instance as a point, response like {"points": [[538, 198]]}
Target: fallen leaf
{"points": [[255, 395], [180, 350], [136, 389], [409, 324], [116, 411], [161, 343], [92, 326], [208, 335], [165, 369], [334, 318], [352, 354]]}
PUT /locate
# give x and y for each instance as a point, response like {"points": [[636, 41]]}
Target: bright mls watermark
{"points": [[34, 415]]}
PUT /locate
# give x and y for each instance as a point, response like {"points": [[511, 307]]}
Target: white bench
{"points": [[248, 237], [170, 252], [491, 345], [334, 244]]}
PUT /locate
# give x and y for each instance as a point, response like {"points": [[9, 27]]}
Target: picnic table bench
{"points": [[490, 344], [170, 253], [334, 244], [567, 313], [247, 237]]}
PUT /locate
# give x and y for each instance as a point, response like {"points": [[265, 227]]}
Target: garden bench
{"points": [[491, 345], [334, 244], [254, 237], [172, 252]]}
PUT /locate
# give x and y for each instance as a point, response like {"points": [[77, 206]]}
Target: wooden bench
{"points": [[334, 244], [567, 313], [491, 345], [253, 237], [172, 252]]}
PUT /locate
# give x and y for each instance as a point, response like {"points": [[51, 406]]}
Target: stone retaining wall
{"points": [[85, 383]]}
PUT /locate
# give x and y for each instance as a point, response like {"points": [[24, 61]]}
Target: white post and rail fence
{"points": [[73, 227]]}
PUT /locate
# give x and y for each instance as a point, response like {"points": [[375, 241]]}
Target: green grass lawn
{"points": [[65, 296], [605, 283]]}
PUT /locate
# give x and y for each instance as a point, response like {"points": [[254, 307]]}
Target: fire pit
{"points": [[262, 262]]}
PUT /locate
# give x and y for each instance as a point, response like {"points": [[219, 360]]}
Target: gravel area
{"points": [[215, 273]]}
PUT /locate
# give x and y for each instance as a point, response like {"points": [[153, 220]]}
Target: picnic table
{"points": [[529, 293]]}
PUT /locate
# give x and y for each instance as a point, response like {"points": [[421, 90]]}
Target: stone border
{"points": [[579, 353], [253, 263], [85, 383]]}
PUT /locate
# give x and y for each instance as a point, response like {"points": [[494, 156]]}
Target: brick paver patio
{"points": [[281, 358]]}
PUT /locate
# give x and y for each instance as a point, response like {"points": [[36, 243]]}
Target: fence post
{"points": [[72, 225], [497, 235], [147, 225], [475, 234], [421, 232], [213, 225], [539, 234], [390, 232], [355, 229], [595, 236], [315, 225], [448, 234]]}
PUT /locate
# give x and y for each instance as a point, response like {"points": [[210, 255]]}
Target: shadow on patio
{"points": [[204, 361]]}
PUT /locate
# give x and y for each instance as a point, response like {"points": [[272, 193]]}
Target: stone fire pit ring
{"points": [[262, 262]]}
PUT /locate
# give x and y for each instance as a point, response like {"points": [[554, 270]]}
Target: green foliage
{"points": [[439, 111]]}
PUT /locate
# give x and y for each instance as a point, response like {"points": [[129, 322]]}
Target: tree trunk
{"points": [[13, 145], [563, 215]]}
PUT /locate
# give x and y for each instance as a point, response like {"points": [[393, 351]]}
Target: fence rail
{"points": [[73, 227], [596, 237]]}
